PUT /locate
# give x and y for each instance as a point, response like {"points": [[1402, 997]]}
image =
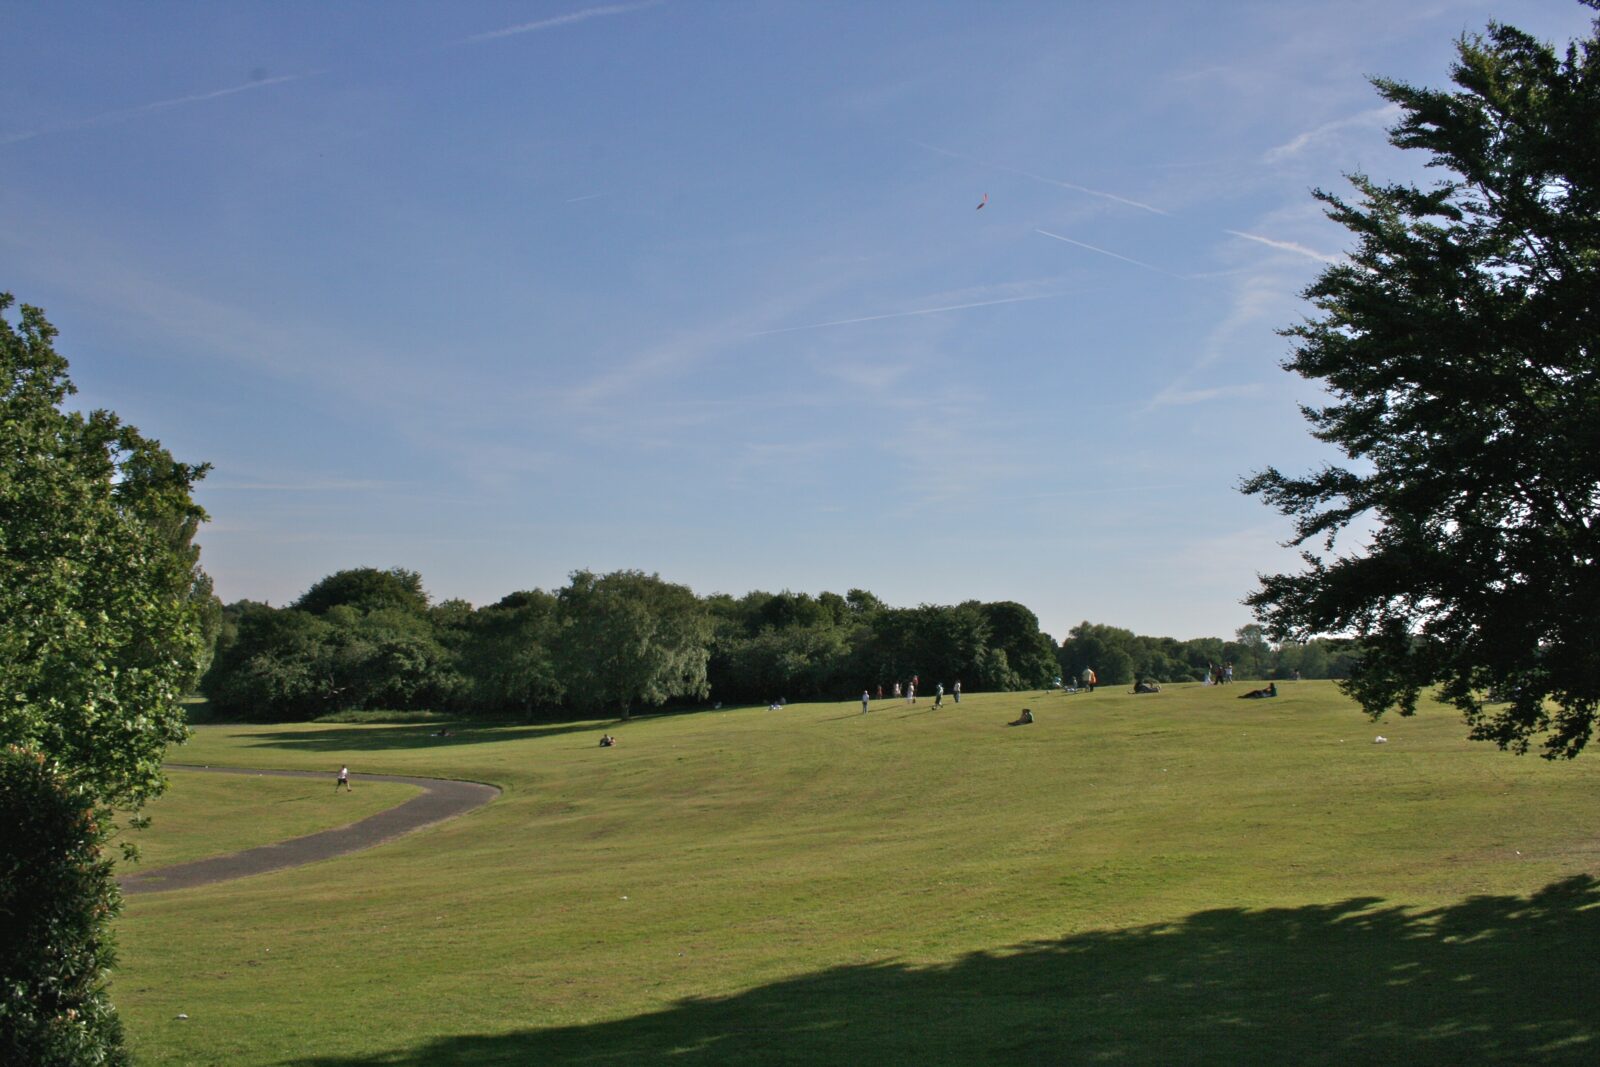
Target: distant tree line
{"points": [[614, 643], [1120, 657]]}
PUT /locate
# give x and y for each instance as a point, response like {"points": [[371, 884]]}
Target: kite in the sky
{"points": [[982, 202]]}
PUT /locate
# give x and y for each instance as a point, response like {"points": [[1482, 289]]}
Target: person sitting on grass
{"points": [[1024, 719], [1146, 687], [1258, 694], [607, 741]]}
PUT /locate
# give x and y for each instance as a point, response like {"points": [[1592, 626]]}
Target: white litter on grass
{"points": [[624, 898], [1380, 740], [182, 1016]]}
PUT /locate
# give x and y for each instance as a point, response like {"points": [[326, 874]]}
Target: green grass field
{"points": [[1177, 878]]}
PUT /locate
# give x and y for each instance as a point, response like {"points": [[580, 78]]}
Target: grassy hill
{"points": [[1179, 877]]}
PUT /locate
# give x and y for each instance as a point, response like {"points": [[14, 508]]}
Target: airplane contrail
{"points": [[1042, 178], [261, 83], [906, 314], [1104, 252], [559, 20], [1288, 246], [157, 105]]}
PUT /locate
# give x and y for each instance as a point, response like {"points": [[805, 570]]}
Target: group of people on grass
{"points": [[910, 691]]}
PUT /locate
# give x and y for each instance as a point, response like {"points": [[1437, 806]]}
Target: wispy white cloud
{"points": [[1030, 175], [947, 450], [658, 361], [687, 348], [679, 353], [1233, 558], [1373, 118], [794, 460], [872, 377], [1173, 396], [321, 486], [1260, 299], [1288, 246], [61, 252], [556, 21], [1105, 252]]}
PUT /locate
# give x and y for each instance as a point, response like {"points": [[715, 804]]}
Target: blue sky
{"points": [[495, 291]]}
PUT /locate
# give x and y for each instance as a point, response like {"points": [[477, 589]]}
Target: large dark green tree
{"points": [[628, 638], [104, 611], [1015, 638], [366, 589], [1458, 345], [508, 654]]}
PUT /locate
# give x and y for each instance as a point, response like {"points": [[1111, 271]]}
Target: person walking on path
{"points": [[866, 701], [344, 780]]}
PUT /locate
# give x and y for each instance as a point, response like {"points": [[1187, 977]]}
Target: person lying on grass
{"points": [[1257, 694], [1146, 687]]}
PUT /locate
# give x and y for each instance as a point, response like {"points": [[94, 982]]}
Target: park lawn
{"points": [[1179, 877], [203, 814]]}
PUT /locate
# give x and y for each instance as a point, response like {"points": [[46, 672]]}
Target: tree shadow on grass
{"points": [[1491, 979], [419, 735]]}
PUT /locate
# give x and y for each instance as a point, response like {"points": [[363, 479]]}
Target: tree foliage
{"points": [[366, 589], [277, 664], [1458, 346], [536, 654], [629, 637], [106, 615], [100, 588], [508, 654]]}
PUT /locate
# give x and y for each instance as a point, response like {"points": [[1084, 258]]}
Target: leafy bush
{"points": [[57, 899]]}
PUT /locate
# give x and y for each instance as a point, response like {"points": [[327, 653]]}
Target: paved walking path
{"points": [[441, 799]]}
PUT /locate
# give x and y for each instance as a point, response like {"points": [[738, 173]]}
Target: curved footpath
{"points": [[441, 799]]}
